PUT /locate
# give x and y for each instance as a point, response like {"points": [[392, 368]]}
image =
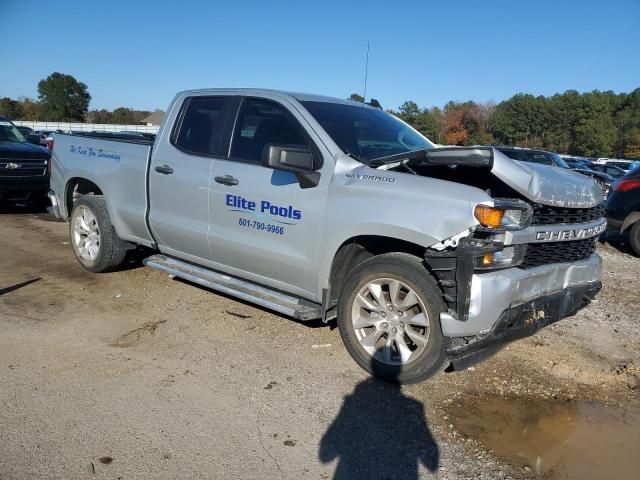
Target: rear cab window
{"points": [[201, 125]]}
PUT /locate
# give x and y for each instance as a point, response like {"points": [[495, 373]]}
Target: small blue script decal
{"points": [[262, 208], [92, 152]]}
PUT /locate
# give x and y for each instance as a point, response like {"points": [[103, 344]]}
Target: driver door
{"points": [[264, 226]]}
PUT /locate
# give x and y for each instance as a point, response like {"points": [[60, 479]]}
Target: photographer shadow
{"points": [[379, 433]]}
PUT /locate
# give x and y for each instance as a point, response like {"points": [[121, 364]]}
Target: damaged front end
{"points": [[489, 307], [529, 262]]}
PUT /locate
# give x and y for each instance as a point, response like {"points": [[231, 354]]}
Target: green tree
{"points": [[427, 121], [356, 97], [9, 108], [63, 98], [520, 120], [123, 116], [627, 122], [29, 109], [595, 132], [99, 116]]}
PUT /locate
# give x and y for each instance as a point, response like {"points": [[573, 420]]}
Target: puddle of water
{"points": [[556, 439]]}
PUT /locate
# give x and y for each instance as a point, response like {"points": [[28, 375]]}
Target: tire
{"points": [[634, 238], [94, 240], [417, 360]]}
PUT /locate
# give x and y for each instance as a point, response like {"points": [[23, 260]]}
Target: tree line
{"points": [[591, 124], [62, 98]]}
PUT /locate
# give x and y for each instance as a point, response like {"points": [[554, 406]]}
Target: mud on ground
{"points": [[136, 375]]}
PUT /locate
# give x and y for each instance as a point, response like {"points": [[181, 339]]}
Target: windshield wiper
{"points": [[376, 162], [446, 156], [355, 157]]}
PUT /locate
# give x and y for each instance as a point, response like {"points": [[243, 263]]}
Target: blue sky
{"points": [[138, 54]]}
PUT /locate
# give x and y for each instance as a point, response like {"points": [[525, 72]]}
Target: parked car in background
{"points": [[25, 131], [544, 157], [24, 167], [615, 172], [623, 211], [626, 165], [577, 162], [44, 135]]}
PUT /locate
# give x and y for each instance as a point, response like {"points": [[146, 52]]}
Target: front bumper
{"points": [[493, 293], [24, 188], [522, 321]]}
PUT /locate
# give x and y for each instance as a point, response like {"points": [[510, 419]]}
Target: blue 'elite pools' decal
{"points": [[262, 208]]}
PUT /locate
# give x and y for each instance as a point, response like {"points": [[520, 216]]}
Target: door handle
{"points": [[227, 180], [164, 169]]}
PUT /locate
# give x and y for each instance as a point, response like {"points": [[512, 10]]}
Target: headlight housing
{"points": [[504, 215], [508, 257]]}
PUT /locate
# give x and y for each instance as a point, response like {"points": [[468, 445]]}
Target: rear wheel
{"points": [[95, 243], [389, 319], [634, 238]]}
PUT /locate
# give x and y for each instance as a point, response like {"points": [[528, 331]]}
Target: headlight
{"points": [[504, 215], [506, 258]]}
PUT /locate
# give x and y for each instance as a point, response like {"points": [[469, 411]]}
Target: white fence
{"points": [[86, 127]]}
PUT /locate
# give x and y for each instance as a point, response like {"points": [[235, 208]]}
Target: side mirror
{"points": [[34, 138], [291, 158]]}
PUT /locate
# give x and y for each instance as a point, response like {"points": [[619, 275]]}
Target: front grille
{"points": [[545, 215], [22, 167], [558, 252], [12, 156]]}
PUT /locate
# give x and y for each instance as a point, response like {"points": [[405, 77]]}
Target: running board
{"points": [[265, 297]]}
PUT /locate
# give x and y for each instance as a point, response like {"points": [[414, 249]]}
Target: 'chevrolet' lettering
{"points": [[573, 234]]}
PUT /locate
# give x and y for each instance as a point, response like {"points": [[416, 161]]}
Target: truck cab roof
{"points": [[299, 96]]}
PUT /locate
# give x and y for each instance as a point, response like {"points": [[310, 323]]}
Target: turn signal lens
{"points": [[506, 258], [488, 216], [487, 259]]}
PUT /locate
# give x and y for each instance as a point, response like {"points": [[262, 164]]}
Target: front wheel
{"points": [[95, 243], [389, 319]]}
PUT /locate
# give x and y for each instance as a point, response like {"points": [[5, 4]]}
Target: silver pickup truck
{"points": [[320, 208]]}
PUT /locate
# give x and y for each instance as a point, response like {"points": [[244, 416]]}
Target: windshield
{"points": [[364, 132], [9, 133], [559, 161]]}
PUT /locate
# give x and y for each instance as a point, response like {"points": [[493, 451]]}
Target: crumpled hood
{"points": [[547, 185]]}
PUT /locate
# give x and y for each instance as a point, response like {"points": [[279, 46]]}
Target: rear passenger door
{"points": [[264, 226], [179, 178]]}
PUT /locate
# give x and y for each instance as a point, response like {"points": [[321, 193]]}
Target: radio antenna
{"points": [[366, 73]]}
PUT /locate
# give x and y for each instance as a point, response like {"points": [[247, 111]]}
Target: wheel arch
{"points": [[78, 186], [628, 222], [352, 252]]}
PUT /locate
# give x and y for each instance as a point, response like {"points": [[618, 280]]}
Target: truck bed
{"points": [[118, 165]]}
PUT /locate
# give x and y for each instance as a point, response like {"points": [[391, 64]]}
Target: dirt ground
{"points": [[134, 375]]}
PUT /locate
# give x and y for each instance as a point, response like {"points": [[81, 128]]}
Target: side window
{"points": [[513, 154], [261, 122], [536, 157], [201, 125]]}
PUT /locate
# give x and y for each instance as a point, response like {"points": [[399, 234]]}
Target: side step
{"points": [[274, 300]]}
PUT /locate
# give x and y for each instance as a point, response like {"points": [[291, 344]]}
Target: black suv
{"points": [[623, 210], [24, 167]]}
